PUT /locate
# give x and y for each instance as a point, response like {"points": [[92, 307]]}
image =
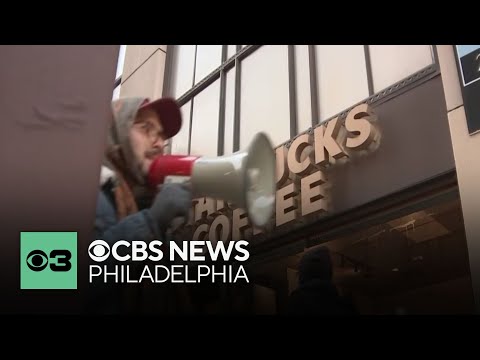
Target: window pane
{"points": [[231, 50], [342, 77], [121, 60], [229, 112], [147, 80], [208, 59], [205, 121], [179, 142], [304, 103], [264, 95], [392, 63], [182, 70]]}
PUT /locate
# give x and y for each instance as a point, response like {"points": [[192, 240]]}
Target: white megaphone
{"points": [[245, 178]]}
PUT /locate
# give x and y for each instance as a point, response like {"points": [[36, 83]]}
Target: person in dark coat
{"points": [[316, 293]]}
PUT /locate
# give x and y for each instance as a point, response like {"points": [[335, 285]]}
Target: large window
{"points": [[264, 95], [182, 70], [392, 63], [208, 59], [205, 121], [302, 84], [228, 93], [341, 77]]}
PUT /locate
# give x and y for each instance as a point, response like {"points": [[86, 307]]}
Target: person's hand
{"points": [[172, 201]]}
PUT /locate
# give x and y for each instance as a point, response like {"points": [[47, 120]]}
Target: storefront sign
{"points": [[302, 176]]}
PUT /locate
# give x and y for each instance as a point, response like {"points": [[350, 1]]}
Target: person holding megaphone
{"points": [[142, 190], [127, 208]]}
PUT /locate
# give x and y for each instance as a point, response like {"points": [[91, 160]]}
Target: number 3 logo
{"points": [[37, 260]]}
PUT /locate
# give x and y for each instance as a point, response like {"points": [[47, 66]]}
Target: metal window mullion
{"points": [[117, 82], [236, 117], [368, 64], [292, 93], [215, 74], [313, 85], [191, 105], [221, 115], [435, 56], [168, 73]]}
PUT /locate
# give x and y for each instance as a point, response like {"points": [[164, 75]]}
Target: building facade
{"points": [[374, 161]]}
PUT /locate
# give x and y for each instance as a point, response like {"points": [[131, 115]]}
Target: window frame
{"points": [[235, 61]]}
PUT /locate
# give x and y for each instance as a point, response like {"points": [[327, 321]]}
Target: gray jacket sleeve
{"points": [[138, 226], [108, 297]]}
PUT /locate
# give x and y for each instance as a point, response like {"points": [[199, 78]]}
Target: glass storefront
{"points": [[395, 259], [413, 264]]}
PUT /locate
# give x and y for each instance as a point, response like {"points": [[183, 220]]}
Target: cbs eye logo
{"points": [[37, 260], [48, 260], [99, 250]]}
